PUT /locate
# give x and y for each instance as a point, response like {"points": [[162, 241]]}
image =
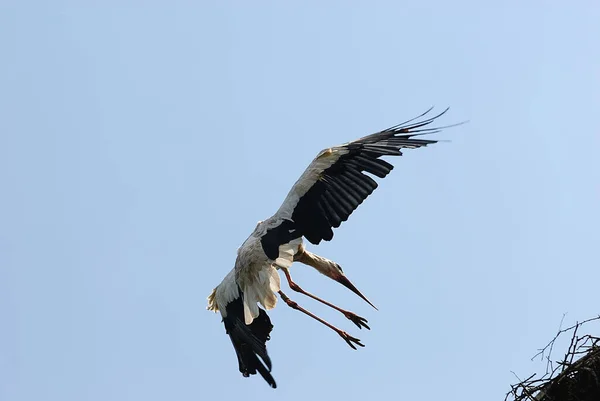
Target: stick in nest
{"points": [[570, 379]]}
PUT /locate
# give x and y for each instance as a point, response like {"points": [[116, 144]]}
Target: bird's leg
{"points": [[357, 320], [351, 341]]}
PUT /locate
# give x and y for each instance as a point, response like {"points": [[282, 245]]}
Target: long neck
{"points": [[324, 266], [328, 268]]}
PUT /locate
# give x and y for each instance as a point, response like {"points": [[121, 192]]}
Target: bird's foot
{"points": [[350, 340], [357, 320]]}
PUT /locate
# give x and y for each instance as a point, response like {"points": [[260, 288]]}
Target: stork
{"points": [[329, 190]]}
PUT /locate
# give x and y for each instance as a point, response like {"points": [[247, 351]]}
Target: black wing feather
{"points": [[249, 341], [282, 234], [342, 187]]}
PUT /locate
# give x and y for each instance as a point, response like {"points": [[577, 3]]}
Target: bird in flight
{"points": [[329, 190]]}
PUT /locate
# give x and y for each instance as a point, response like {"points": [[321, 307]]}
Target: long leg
{"points": [[351, 341], [357, 320]]}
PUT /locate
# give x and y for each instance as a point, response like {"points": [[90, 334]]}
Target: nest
{"points": [[574, 378]]}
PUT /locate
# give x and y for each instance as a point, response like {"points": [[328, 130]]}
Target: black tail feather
{"points": [[249, 341]]}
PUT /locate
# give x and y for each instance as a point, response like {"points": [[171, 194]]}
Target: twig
{"points": [[572, 371]]}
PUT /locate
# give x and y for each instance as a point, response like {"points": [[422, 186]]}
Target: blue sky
{"points": [[141, 142]]}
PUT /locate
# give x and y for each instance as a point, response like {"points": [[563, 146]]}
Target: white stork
{"points": [[330, 189]]}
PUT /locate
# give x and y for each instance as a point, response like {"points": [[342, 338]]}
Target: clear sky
{"points": [[140, 144]]}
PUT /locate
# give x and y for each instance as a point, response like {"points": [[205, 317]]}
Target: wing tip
{"points": [[414, 126], [249, 341]]}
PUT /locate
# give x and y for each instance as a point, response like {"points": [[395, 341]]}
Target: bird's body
{"points": [[328, 191], [255, 274], [253, 280]]}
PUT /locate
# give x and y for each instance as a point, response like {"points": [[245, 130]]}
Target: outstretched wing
{"points": [[335, 183]]}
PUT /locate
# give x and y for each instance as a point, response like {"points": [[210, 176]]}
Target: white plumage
{"points": [[325, 195]]}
